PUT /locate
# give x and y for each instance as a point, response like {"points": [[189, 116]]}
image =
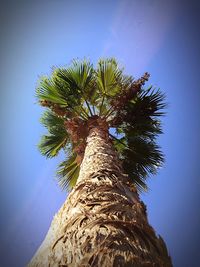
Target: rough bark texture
{"points": [[103, 222]]}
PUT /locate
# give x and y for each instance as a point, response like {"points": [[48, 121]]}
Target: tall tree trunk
{"points": [[103, 222]]}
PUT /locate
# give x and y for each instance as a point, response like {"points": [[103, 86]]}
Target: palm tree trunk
{"points": [[103, 222]]}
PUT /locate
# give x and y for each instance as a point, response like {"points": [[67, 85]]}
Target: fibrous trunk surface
{"points": [[103, 222]]}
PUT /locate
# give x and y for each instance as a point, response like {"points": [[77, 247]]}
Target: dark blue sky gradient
{"points": [[161, 37]]}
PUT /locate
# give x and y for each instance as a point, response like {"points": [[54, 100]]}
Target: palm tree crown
{"points": [[79, 93]]}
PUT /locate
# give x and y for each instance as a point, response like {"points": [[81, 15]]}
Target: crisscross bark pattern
{"points": [[103, 222]]}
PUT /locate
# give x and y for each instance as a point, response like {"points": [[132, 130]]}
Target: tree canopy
{"points": [[75, 93]]}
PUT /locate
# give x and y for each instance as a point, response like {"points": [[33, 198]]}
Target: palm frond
{"points": [[67, 172], [141, 115], [108, 75], [47, 90], [69, 88], [139, 128], [52, 122], [150, 102], [80, 80], [140, 158], [50, 145], [57, 138]]}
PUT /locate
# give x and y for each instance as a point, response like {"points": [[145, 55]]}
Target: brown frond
{"points": [[126, 95], [55, 108]]}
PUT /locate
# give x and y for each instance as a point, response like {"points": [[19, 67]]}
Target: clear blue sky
{"points": [[161, 37]]}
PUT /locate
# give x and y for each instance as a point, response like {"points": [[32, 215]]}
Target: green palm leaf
{"points": [[57, 138], [108, 75], [67, 172], [50, 145], [140, 158], [48, 90], [108, 83], [139, 128]]}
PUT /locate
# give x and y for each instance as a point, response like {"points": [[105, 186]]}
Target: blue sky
{"points": [[161, 37]]}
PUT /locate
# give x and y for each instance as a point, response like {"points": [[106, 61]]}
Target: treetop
{"points": [[76, 94]]}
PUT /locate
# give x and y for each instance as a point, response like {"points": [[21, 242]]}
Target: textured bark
{"points": [[103, 222]]}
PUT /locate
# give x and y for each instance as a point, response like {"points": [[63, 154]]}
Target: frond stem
{"points": [[86, 115], [119, 141], [78, 113], [109, 112], [93, 110], [101, 105], [88, 107]]}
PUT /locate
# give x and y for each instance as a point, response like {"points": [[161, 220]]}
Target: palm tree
{"points": [[107, 124]]}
